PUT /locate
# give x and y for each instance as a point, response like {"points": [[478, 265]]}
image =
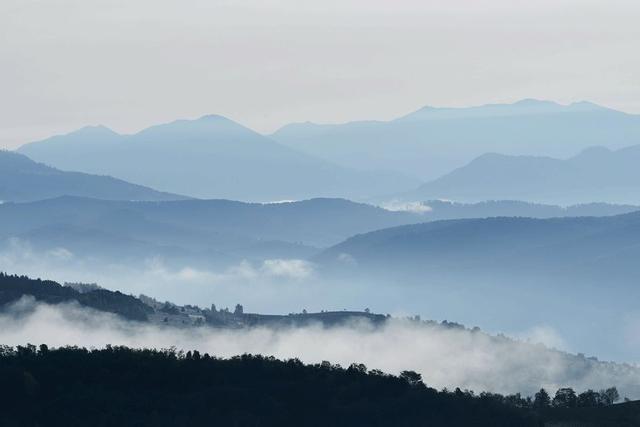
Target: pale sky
{"points": [[128, 64]]}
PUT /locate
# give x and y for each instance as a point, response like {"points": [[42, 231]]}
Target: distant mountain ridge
{"points": [[431, 142], [22, 179], [525, 107], [192, 232], [211, 157], [594, 248], [433, 210], [596, 174]]}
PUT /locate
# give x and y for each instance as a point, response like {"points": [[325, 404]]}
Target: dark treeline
{"points": [[118, 386]]}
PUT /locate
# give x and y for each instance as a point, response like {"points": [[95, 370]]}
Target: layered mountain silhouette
{"points": [[433, 141], [22, 179], [600, 249], [211, 157], [215, 232], [596, 174]]}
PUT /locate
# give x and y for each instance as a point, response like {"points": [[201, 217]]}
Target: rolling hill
{"points": [[586, 248], [22, 179], [210, 231]]}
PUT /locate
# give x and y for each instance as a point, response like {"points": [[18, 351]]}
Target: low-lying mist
{"points": [[446, 357], [598, 322]]}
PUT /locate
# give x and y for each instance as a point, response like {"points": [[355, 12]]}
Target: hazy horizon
{"points": [[136, 129], [129, 65]]}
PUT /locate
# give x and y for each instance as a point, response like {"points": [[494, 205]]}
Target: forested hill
{"points": [[148, 309], [12, 288], [124, 387]]}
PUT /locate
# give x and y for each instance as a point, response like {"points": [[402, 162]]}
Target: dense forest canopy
{"points": [[121, 386]]}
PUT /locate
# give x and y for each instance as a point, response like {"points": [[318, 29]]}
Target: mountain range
{"points": [[596, 174], [22, 179], [451, 149], [224, 231], [191, 231], [211, 157], [431, 142]]}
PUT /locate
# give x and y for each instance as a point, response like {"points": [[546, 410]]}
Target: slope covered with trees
{"points": [[125, 387], [13, 287]]}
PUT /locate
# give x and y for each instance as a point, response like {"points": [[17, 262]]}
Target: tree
{"points": [[541, 399], [565, 398], [516, 400], [412, 377], [588, 399], [609, 396], [358, 367]]}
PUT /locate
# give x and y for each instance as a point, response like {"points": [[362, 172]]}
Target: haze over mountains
{"points": [[220, 232], [349, 254], [211, 157], [432, 210], [578, 274], [22, 179], [433, 141], [191, 232], [588, 248], [42, 304], [596, 174]]}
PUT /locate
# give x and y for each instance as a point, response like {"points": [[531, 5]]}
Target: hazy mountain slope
{"points": [[317, 222], [577, 275], [432, 141], [211, 157], [596, 174], [209, 233], [22, 179], [433, 210], [595, 247]]}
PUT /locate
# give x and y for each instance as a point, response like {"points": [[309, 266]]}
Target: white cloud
{"points": [[287, 268], [294, 269], [545, 335], [398, 206], [347, 259]]}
